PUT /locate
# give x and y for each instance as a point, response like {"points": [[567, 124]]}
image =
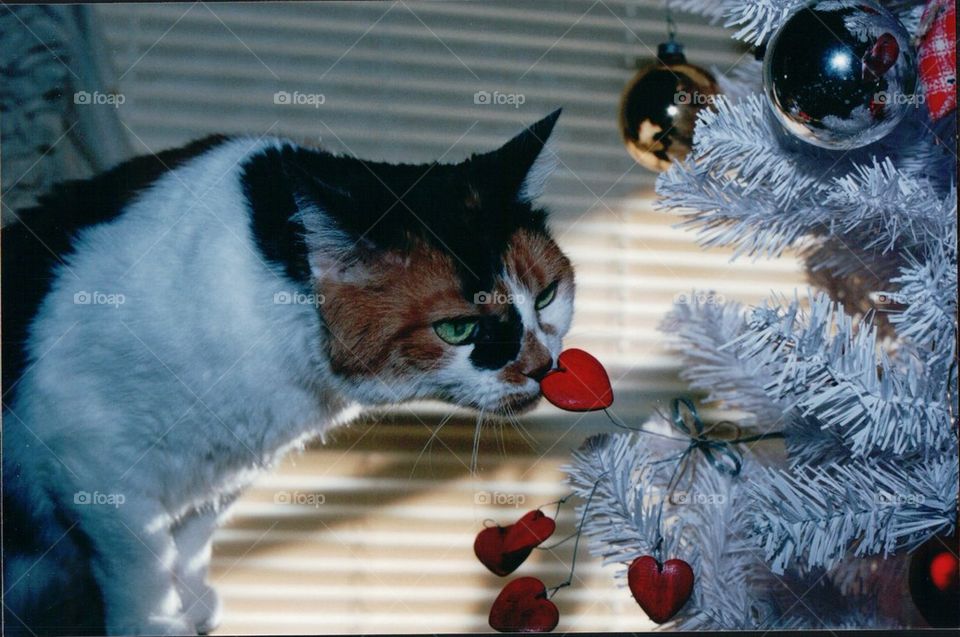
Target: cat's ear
{"points": [[332, 252], [526, 161]]}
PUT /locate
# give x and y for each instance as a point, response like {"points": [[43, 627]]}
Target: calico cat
{"points": [[174, 326]]}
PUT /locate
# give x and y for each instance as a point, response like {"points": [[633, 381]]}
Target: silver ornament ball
{"points": [[840, 74]]}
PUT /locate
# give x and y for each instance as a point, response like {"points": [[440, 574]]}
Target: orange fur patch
{"points": [[381, 322], [536, 261]]}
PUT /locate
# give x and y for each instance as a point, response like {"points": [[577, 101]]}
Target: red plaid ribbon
{"points": [[938, 57]]}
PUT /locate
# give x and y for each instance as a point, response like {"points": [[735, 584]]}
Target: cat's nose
{"points": [[539, 368], [535, 359]]}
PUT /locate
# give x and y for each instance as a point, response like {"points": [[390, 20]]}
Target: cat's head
{"points": [[441, 280]]}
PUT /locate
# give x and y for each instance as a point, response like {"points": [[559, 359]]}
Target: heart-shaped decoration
{"points": [[529, 531], [882, 55], [580, 383], [522, 607], [502, 549], [660, 589], [488, 548], [943, 571]]}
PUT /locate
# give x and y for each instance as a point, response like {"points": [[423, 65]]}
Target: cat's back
{"points": [[137, 237], [152, 334]]}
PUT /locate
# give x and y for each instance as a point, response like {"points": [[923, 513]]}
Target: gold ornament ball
{"points": [[659, 108]]}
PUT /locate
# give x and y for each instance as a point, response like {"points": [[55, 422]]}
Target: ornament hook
{"points": [[671, 26]]}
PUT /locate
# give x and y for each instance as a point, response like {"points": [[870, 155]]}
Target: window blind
{"points": [[351, 536]]}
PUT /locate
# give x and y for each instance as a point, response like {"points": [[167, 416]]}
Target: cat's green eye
{"points": [[546, 297], [457, 331]]}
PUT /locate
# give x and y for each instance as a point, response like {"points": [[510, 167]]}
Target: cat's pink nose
{"points": [[539, 369], [535, 359]]}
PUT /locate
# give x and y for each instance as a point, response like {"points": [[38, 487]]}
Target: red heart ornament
{"points": [[881, 56], [661, 590], [580, 383], [488, 548], [504, 548], [529, 531], [943, 571], [522, 607]]}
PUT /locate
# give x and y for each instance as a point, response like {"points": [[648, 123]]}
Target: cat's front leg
{"points": [[133, 562], [193, 536]]}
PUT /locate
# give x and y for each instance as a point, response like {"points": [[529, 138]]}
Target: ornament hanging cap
{"points": [[671, 51]]}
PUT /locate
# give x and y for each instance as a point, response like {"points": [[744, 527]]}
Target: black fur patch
{"points": [[270, 194], [467, 210], [32, 248], [498, 340]]}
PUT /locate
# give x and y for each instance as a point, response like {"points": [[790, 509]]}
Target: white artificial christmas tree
{"points": [[858, 373]]}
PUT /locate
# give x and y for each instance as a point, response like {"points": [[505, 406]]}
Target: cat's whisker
{"points": [[528, 437], [476, 444], [498, 433], [505, 424], [429, 443], [524, 433], [515, 423]]}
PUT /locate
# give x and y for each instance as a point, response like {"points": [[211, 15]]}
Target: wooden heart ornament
{"points": [[660, 589], [522, 607], [529, 531], [488, 548], [502, 549], [580, 383]]}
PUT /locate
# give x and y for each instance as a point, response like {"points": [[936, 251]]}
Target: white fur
{"points": [[174, 398], [543, 166], [177, 398]]}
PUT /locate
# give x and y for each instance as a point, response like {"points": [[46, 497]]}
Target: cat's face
{"points": [[457, 292], [407, 331]]}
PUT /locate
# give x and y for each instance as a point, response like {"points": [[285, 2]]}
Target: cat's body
{"points": [[245, 296]]}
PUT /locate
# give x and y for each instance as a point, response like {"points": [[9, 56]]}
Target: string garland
{"points": [[718, 452]]}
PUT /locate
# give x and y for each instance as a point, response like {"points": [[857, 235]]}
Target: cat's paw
{"points": [[206, 611]]}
